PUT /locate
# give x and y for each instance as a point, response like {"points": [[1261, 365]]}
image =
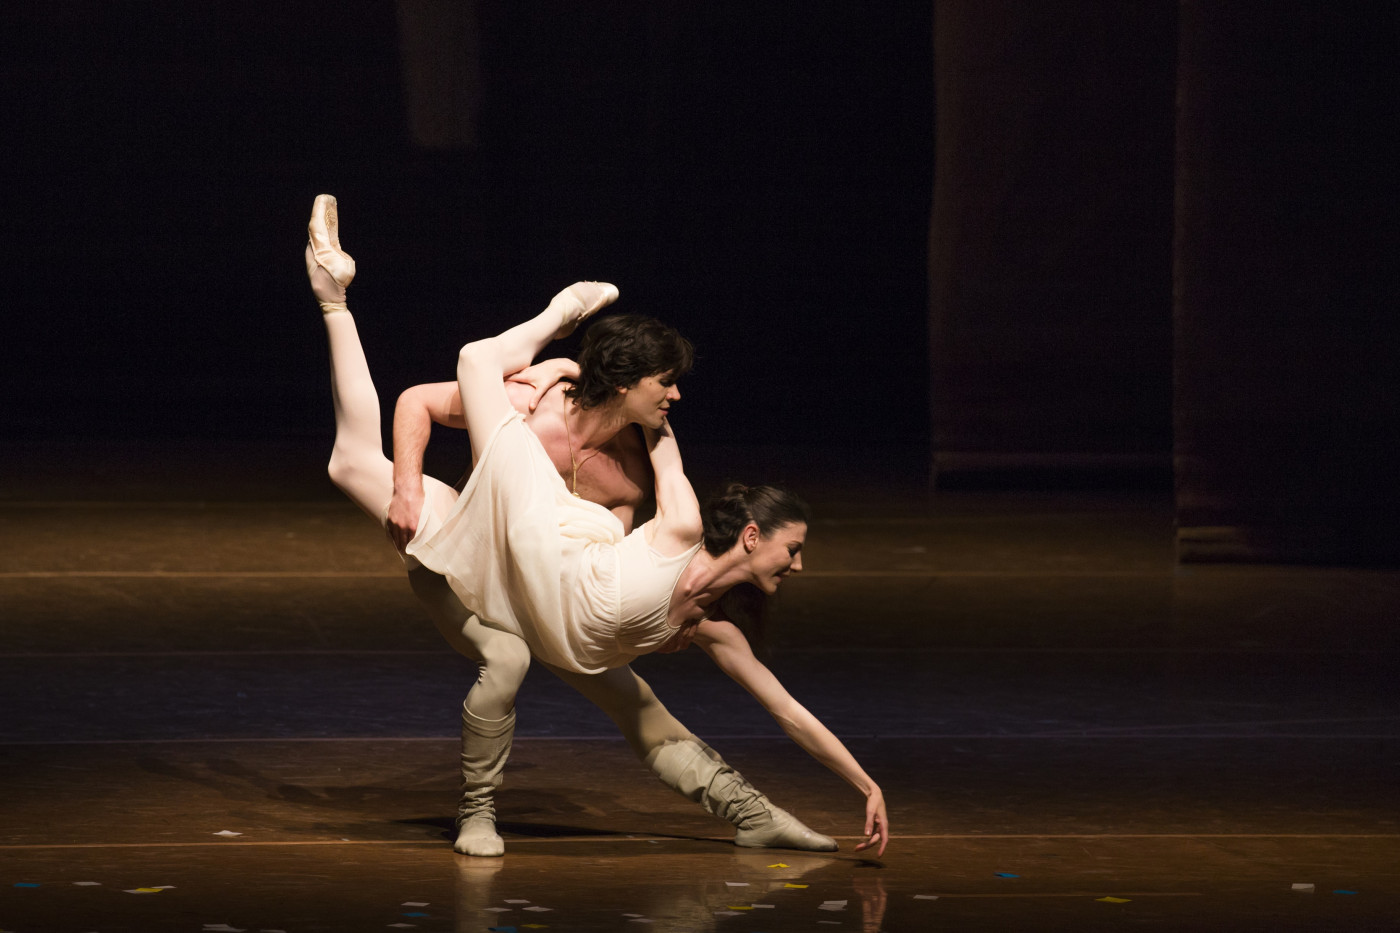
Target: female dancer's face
{"points": [[649, 400], [774, 557]]}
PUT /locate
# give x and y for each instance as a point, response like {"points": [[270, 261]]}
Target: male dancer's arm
{"points": [[420, 407]]}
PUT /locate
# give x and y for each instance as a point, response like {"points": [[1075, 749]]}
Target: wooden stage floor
{"points": [[1072, 732]]}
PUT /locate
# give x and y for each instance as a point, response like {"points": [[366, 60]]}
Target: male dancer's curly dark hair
{"points": [[725, 516], [620, 350]]}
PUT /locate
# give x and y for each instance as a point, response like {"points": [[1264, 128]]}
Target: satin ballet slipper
{"points": [[329, 268], [579, 302]]}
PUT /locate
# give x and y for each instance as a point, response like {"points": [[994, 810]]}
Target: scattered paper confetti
{"points": [[228, 833], [834, 903], [779, 865], [791, 885], [733, 907], [87, 884], [736, 884], [1113, 900], [1006, 874], [540, 909], [1343, 891], [830, 907], [414, 904], [26, 884], [144, 890], [1309, 888]]}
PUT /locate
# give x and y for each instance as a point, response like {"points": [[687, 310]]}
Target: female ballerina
{"points": [[553, 573]]}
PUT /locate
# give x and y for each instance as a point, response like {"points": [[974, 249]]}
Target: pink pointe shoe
{"points": [[579, 302], [330, 269]]}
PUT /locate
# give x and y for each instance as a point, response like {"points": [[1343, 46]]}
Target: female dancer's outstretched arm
{"points": [[728, 647]]}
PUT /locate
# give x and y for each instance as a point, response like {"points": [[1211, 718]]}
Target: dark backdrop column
{"points": [[1286, 364], [1049, 257]]}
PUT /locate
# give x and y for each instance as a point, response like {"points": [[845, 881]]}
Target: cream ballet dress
{"points": [[530, 558]]}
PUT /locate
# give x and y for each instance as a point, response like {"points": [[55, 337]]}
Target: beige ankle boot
{"points": [[697, 772], [485, 748]]}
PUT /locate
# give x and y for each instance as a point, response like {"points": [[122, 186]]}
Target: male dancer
{"points": [[625, 376]]}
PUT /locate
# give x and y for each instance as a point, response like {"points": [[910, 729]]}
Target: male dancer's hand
{"points": [[405, 508]]}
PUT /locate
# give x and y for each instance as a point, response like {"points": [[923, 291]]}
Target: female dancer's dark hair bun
{"points": [[726, 515], [769, 507]]}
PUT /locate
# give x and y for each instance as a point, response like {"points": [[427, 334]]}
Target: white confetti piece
{"points": [[414, 904], [87, 884], [832, 907], [496, 910], [736, 884], [540, 909], [516, 901], [226, 833], [729, 913], [764, 906], [925, 897], [1308, 888], [834, 903]]}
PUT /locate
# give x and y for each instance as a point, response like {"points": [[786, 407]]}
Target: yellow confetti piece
{"points": [[1113, 900], [733, 907], [791, 885], [146, 890], [779, 865]]}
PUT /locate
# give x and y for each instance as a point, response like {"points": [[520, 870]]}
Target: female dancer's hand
{"points": [[545, 375], [877, 824]]}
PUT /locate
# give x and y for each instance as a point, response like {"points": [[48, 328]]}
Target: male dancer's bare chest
{"points": [[612, 476]]}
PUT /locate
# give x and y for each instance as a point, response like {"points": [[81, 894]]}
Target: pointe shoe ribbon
{"points": [[323, 253]]}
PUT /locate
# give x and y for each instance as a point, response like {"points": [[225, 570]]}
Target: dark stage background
{"points": [[983, 243]]}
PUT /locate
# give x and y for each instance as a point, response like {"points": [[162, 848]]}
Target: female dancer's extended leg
{"points": [[482, 364], [360, 469]]}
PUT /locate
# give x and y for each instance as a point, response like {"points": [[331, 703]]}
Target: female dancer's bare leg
{"points": [[360, 469]]}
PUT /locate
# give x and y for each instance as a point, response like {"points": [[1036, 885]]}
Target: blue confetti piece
{"points": [[503, 930], [1338, 891], [26, 884], [1006, 874], [416, 915]]}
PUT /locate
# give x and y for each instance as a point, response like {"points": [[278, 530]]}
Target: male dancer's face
{"points": [[647, 402]]}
